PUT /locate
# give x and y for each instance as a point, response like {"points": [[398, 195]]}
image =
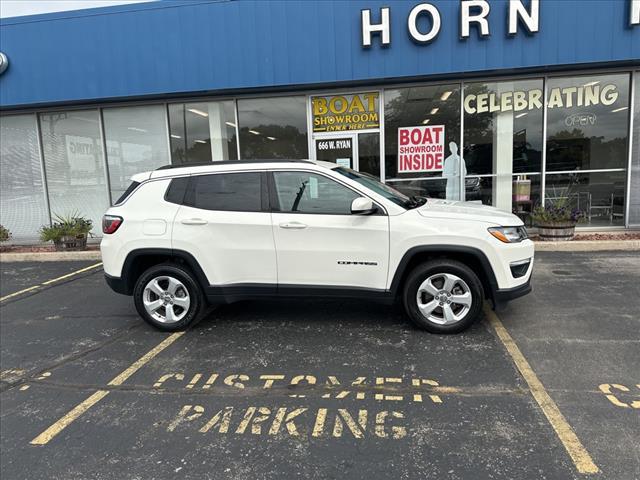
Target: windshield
{"points": [[372, 183]]}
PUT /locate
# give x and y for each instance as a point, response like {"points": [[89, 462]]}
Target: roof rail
{"points": [[232, 162]]}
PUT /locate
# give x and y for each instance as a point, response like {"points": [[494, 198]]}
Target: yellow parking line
{"points": [[49, 282], [567, 436], [46, 436], [15, 294]]}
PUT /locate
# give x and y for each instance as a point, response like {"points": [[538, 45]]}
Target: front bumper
{"points": [[504, 295]]}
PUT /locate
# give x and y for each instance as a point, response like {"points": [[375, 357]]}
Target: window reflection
{"points": [[600, 196], [509, 127], [369, 153], [203, 132], [22, 204], [273, 128], [423, 106], [587, 122], [136, 142], [503, 137], [634, 190], [418, 106], [74, 164]]}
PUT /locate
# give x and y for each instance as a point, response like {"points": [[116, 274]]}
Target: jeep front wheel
{"points": [[168, 297], [443, 296]]}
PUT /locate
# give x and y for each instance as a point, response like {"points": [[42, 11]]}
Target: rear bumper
{"points": [[117, 284], [502, 296]]}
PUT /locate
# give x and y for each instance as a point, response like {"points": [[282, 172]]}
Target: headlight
{"points": [[509, 234]]}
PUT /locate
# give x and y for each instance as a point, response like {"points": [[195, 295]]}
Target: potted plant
{"points": [[67, 233], [556, 220], [5, 235]]}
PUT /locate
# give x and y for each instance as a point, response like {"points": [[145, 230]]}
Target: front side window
{"points": [[227, 192], [304, 192]]}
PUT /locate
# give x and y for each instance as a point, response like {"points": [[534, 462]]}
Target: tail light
{"points": [[111, 223]]}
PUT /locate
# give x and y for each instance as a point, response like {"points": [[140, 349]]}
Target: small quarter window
{"points": [[127, 192], [226, 191]]}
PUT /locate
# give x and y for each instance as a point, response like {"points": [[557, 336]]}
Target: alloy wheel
{"points": [[166, 299], [444, 298]]}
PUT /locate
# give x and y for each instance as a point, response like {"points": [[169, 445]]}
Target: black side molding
{"points": [[235, 292], [476, 253], [126, 282]]}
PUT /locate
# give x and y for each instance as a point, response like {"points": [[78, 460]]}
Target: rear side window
{"points": [[177, 188], [127, 192], [229, 191]]}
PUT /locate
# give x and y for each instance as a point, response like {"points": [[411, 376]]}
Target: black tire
{"points": [[188, 282], [435, 268]]}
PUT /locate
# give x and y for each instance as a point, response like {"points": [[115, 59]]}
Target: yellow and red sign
{"points": [[339, 113]]}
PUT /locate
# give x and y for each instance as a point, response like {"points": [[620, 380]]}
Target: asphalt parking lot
{"points": [[322, 389]]}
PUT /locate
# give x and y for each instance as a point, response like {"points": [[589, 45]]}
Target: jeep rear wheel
{"points": [[168, 297], [443, 296]]}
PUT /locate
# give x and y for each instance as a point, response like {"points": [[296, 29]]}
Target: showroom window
{"points": [[273, 128], [74, 164], [503, 144], [422, 139], [587, 142], [634, 184], [369, 153], [203, 132], [136, 140], [23, 208]]}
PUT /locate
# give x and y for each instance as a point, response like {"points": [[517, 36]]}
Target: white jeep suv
{"points": [[182, 237]]}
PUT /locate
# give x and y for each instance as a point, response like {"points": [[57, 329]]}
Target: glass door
{"points": [[341, 149]]}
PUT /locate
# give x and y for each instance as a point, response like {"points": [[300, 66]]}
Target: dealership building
{"points": [[510, 103]]}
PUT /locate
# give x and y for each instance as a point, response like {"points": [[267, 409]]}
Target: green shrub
{"points": [[73, 225], [5, 234]]}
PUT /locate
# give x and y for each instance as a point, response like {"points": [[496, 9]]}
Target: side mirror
{"points": [[363, 206]]}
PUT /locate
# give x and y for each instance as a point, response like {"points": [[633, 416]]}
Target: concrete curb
{"points": [[588, 246], [50, 256]]}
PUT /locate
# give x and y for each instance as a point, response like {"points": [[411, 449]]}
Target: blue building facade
{"points": [[536, 101]]}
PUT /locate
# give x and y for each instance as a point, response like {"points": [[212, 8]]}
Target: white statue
{"points": [[452, 169]]}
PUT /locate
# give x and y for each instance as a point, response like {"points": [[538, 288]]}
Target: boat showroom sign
{"points": [[472, 14], [420, 149], [338, 113]]}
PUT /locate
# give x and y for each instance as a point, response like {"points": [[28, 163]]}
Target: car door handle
{"points": [[293, 225], [193, 221]]}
